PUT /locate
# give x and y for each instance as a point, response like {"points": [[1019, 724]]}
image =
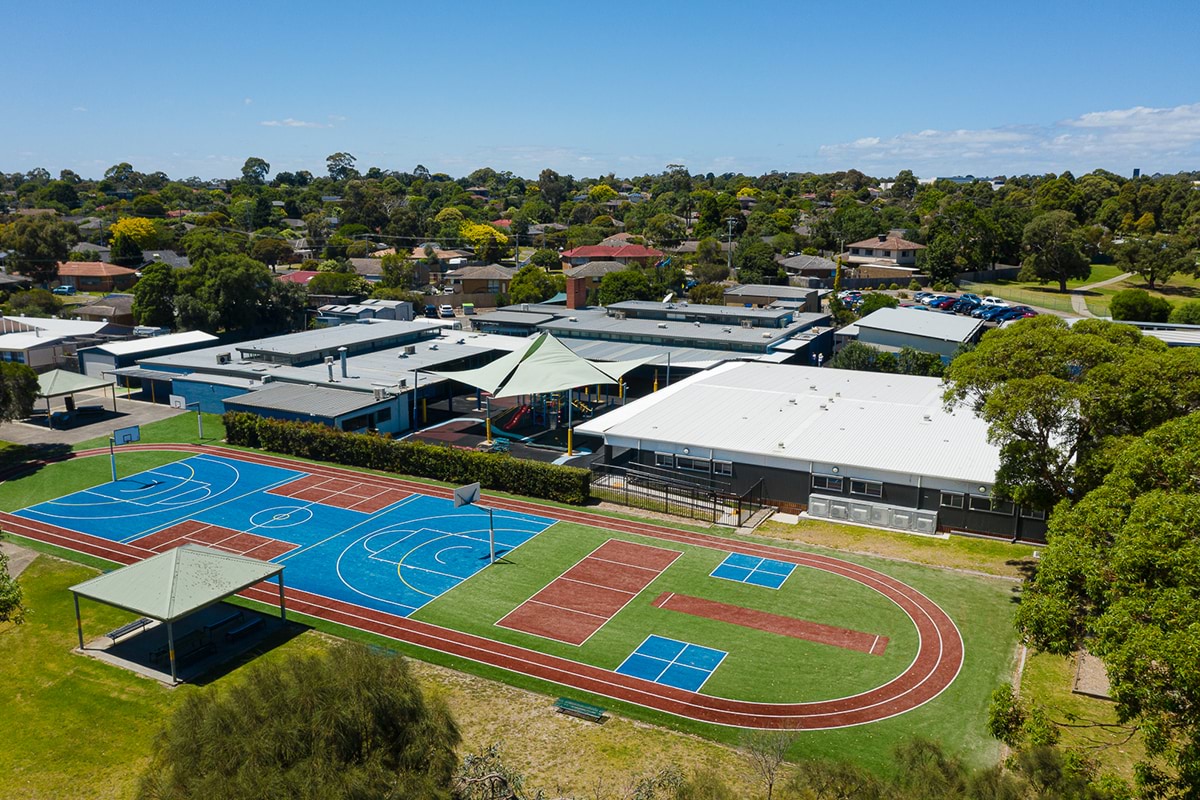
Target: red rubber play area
{"points": [[937, 663]]}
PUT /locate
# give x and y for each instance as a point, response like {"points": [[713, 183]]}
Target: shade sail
{"points": [[547, 365], [173, 584], [58, 382]]}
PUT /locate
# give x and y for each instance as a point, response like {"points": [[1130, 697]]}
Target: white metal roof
{"points": [[28, 341], [154, 343], [926, 324], [890, 423], [61, 327]]}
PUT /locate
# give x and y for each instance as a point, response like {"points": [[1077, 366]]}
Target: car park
{"points": [[994, 301]]}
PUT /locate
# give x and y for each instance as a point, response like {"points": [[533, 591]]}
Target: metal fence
{"points": [[643, 488]]}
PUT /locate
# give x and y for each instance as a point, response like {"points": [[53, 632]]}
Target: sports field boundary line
{"points": [[938, 662]]}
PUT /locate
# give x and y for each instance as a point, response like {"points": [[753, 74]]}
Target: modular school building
{"points": [[855, 446]]}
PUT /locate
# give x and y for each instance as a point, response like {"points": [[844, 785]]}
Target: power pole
{"points": [[729, 246]]}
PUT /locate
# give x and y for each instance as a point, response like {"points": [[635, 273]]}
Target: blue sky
{"points": [[589, 88]]}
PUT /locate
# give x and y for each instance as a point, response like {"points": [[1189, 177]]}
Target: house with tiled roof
{"points": [[488, 279], [114, 308], [886, 249], [625, 254], [96, 276]]}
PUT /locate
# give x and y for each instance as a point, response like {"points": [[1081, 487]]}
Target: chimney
{"points": [[883, 237], [342, 351], [577, 292]]}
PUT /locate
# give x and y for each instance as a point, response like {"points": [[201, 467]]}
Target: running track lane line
{"points": [[936, 665]]}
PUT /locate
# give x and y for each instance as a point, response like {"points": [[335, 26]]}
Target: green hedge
{"points": [[443, 463]]}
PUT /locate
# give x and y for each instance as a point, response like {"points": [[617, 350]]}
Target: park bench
{"points": [[577, 709], [221, 623], [243, 629], [129, 627]]}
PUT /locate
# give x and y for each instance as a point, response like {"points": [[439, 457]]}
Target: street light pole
{"points": [[729, 246]]}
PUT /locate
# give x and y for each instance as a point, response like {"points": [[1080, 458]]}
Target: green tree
{"points": [[602, 193], [1056, 396], [338, 283], [37, 245], [665, 230], [711, 294], [531, 284], [939, 258], [546, 259], [33, 303], [154, 296], [1186, 313], [916, 362], [126, 252], [349, 723], [12, 605], [710, 272], [1157, 258], [271, 251], [626, 284], [232, 292], [1052, 250], [341, 166], [864, 358], [1122, 574], [397, 271], [18, 391], [1138, 305], [254, 171], [875, 301], [754, 261]]}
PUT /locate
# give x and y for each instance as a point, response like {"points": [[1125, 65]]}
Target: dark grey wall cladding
{"points": [[794, 487]]}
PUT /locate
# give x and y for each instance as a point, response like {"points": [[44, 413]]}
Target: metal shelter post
{"points": [[569, 404], [78, 621], [171, 649], [282, 607]]}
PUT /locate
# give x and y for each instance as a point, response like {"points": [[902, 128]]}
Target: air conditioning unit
{"points": [[410, 349], [403, 383], [747, 323], [224, 358], [381, 393], [328, 359], [618, 315]]}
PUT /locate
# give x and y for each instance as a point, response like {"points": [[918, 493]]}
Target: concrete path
{"points": [[1079, 300], [18, 557]]}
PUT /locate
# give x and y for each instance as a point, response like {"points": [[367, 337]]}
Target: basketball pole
{"points": [[112, 457], [491, 537]]}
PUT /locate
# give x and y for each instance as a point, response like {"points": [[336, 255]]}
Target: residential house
{"points": [[893, 329], [114, 308], [625, 254], [804, 266], [585, 280], [489, 279], [886, 249], [96, 276]]}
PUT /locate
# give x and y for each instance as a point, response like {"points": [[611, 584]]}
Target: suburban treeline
{"points": [[1053, 225]]}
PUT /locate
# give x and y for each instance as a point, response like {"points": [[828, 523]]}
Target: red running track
{"points": [[937, 663]]}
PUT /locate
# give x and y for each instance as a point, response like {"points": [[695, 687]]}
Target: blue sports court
{"points": [[753, 570], [395, 554], [672, 663]]}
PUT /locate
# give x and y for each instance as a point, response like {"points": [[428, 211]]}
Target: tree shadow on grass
{"points": [[26, 459]]}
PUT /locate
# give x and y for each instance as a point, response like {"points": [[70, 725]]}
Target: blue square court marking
{"points": [[672, 663], [756, 571]]}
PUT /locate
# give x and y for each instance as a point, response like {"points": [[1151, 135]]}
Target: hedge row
{"points": [[443, 463]]}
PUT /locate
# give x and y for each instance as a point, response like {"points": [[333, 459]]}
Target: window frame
{"points": [[865, 484], [838, 479], [960, 496], [670, 460], [694, 464]]}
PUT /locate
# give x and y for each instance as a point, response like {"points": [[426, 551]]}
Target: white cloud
{"points": [[247, 101], [292, 123], [79, 109], [1116, 139]]}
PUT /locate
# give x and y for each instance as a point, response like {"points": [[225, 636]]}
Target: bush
{"points": [[883, 287], [1187, 313], [903, 295], [1138, 305], [442, 463], [894, 286], [914, 285]]}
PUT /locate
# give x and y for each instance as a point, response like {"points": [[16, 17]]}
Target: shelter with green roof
{"points": [[174, 584]]}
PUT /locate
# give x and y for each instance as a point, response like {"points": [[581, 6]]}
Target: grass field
{"points": [[180, 428], [57, 701]]}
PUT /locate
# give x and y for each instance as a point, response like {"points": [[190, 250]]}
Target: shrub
{"points": [[914, 285], [882, 287], [1187, 313], [903, 295], [894, 286], [1138, 305], [438, 462]]}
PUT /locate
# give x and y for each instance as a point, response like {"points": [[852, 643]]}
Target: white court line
{"points": [[596, 585], [562, 608], [631, 566], [306, 548]]}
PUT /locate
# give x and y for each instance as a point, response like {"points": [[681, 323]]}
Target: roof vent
{"points": [[572, 319], [824, 407], [662, 325], [792, 400], [697, 324], [727, 330], [928, 418], [433, 347]]}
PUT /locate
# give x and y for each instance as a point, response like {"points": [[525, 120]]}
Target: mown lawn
{"points": [[180, 429], [77, 728]]}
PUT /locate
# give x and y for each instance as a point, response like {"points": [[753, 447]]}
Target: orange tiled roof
{"points": [[92, 269]]}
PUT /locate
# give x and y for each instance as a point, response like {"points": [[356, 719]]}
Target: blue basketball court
{"points": [[753, 570], [394, 559], [672, 663]]}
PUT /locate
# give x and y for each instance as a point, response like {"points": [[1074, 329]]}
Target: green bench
{"points": [[577, 709]]}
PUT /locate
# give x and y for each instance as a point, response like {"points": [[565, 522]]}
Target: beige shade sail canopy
{"points": [[546, 365]]}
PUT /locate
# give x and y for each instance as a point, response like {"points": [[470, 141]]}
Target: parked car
{"points": [[974, 298], [920, 296], [64, 290], [1016, 312], [994, 313], [992, 300], [944, 304], [933, 298], [446, 311], [431, 311], [965, 305]]}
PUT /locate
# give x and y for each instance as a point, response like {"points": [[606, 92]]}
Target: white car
{"points": [[446, 311], [993, 302]]}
